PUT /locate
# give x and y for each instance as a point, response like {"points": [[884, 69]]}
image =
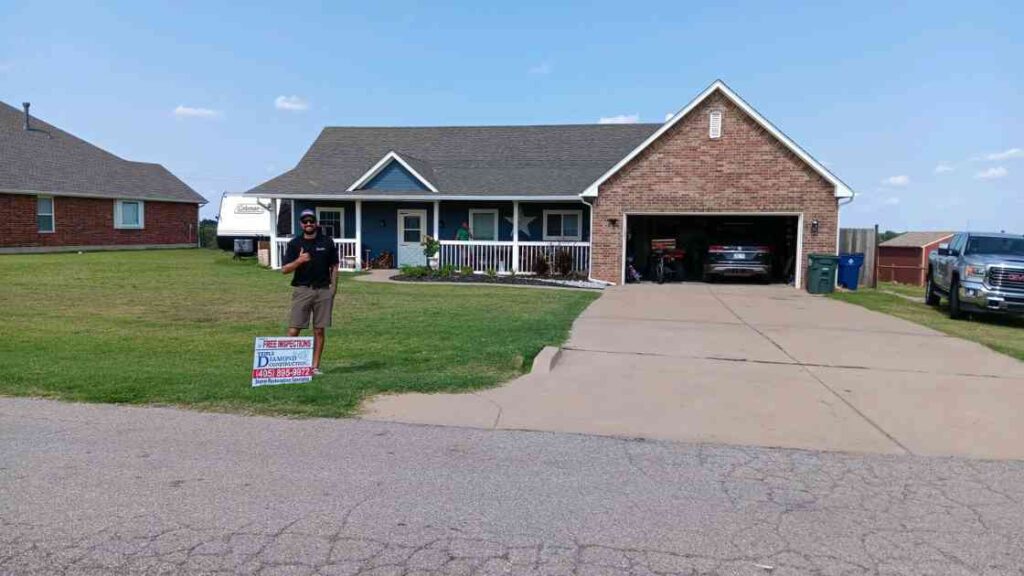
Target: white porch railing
{"points": [[481, 255], [529, 252], [346, 248], [484, 255]]}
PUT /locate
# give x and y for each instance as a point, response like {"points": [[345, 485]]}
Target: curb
{"points": [[545, 361]]}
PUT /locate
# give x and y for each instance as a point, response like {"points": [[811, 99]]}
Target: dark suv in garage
{"points": [[738, 260]]}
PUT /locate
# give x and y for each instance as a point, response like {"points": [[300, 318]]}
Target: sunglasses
{"points": [[308, 221]]}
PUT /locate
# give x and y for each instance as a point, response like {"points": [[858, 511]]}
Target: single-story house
{"points": [[598, 192], [59, 192], [904, 259]]}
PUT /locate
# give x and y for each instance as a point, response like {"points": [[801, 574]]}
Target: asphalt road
{"points": [[113, 490]]}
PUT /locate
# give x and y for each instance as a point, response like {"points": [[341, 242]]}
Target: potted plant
{"points": [[431, 246]]}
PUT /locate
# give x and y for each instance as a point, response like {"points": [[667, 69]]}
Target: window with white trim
{"points": [[129, 214], [483, 224], [44, 214], [563, 225], [331, 221], [715, 124]]}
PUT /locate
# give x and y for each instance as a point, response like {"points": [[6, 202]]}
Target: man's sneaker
{"points": [[317, 372]]}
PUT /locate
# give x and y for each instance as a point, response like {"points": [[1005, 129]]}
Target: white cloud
{"points": [[620, 119], [943, 167], [291, 103], [183, 111], [901, 180], [1004, 155], [542, 69], [992, 173]]}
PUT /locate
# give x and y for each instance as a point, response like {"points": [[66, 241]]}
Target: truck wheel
{"points": [[931, 298], [954, 300]]}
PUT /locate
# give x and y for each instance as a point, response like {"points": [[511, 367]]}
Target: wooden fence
{"points": [[861, 240]]}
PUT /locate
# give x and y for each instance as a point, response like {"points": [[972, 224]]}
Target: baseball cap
{"points": [[307, 212]]}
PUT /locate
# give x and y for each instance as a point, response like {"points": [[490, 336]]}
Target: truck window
{"points": [[995, 245]]}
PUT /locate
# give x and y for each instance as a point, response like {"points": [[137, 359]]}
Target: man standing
{"points": [[463, 232], [313, 259]]}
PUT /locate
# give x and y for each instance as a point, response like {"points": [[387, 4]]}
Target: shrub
{"points": [[540, 265], [446, 271], [563, 262], [414, 271], [466, 270], [492, 273]]}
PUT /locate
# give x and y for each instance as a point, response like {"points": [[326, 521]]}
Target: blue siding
{"points": [[380, 219], [455, 213], [396, 178]]}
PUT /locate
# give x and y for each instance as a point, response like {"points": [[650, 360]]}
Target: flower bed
{"points": [[447, 274]]}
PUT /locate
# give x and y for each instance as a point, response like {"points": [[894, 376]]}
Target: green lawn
{"points": [[177, 327], [999, 333]]}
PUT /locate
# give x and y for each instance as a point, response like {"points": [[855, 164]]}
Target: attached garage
{"points": [[717, 163], [709, 247]]}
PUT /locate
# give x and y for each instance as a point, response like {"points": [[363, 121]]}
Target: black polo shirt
{"points": [[323, 256]]}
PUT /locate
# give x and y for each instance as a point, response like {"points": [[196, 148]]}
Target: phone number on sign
{"points": [[281, 372]]}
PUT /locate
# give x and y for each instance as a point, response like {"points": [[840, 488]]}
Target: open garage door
{"points": [[712, 247]]}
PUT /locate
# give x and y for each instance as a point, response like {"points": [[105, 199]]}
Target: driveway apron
{"points": [[752, 365]]}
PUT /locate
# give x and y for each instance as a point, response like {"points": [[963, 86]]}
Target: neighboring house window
{"points": [[332, 221], [483, 224], [44, 214], [129, 214], [562, 225]]}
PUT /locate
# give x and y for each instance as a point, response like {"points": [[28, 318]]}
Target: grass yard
{"points": [[177, 327], [1001, 334]]}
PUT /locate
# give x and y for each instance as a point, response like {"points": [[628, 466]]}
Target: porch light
{"points": [[814, 227], [613, 222]]}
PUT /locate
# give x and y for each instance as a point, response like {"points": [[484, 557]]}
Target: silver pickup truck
{"points": [[978, 272]]}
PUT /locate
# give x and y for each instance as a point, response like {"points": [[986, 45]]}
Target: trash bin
{"points": [[821, 273], [849, 269]]}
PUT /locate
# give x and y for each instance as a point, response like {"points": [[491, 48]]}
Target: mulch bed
{"points": [[513, 280]]}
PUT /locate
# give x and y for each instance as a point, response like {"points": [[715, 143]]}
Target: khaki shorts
{"points": [[315, 302]]}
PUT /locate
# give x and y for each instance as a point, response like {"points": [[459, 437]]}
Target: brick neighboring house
{"points": [[716, 169], [58, 192]]}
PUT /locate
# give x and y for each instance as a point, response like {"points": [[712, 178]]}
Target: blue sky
{"points": [[918, 106]]}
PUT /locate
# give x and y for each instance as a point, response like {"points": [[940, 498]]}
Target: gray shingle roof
{"points": [[48, 159], [465, 161], [916, 239]]}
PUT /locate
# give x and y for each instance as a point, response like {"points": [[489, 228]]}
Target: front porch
{"points": [[507, 237]]}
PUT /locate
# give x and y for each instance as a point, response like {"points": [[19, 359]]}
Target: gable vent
{"points": [[715, 126]]}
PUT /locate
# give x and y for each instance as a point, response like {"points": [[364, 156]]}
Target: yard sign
{"points": [[282, 360]]}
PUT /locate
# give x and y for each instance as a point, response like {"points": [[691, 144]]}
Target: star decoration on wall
{"points": [[524, 222]]}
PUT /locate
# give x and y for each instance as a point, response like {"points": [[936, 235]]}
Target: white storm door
{"points": [[412, 226]]}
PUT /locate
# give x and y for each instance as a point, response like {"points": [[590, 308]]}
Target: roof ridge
{"points": [[483, 126]]}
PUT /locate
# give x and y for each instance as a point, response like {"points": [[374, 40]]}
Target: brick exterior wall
{"points": [[90, 222], [746, 170]]}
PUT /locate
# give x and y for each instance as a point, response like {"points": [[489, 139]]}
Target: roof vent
{"points": [[25, 105], [715, 127]]}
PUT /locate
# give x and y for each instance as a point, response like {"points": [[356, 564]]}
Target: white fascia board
{"points": [[381, 164], [421, 197], [58, 194], [841, 189]]}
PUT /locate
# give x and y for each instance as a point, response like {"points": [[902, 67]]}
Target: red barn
{"points": [[59, 192], [904, 259]]}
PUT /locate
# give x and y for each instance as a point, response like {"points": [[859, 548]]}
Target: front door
{"points": [[412, 226]]}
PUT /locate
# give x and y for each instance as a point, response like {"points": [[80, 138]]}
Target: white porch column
{"points": [[275, 262], [515, 236], [437, 219], [359, 234]]}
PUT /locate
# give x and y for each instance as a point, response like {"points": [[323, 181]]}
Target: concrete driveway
{"points": [[753, 365]]}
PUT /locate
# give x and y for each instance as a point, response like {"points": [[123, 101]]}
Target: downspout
{"points": [[590, 258]]}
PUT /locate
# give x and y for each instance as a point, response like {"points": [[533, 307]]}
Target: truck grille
{"points": [[1012, 278]]}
